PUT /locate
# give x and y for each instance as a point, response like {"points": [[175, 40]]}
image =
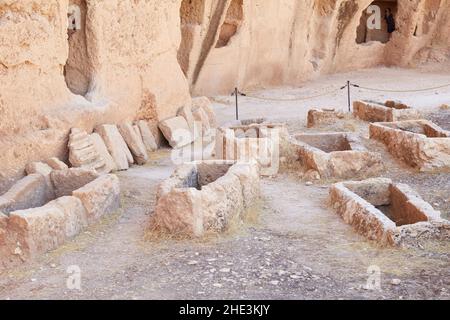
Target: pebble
{"points": [[396, 282], [217, 285], [225, 270], [309, 183], [193, 262]]}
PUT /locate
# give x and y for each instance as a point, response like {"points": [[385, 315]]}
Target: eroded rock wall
{"points": [[141, 59], [288, 41], [121, 64]]}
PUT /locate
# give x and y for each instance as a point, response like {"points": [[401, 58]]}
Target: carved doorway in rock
{"points": [[77, 68], [373, 25]]}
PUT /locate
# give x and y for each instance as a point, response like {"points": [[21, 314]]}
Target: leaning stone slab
{"points": [[82, 152], [31, 191], [101, 148], [177, 132], [100, 197], [386, 212], [157, 133], [205, 104], [201, 116], [69, 180], [38, 167], [56, 164], [134, 142], [186, 113], [205, 197], [147, 136], [117, 147], [419, 143]]}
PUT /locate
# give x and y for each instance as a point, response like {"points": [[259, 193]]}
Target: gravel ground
{"points": [[295, 247]]}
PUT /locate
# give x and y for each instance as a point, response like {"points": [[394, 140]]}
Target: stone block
{"points": [[100, 197], [134, 142]]}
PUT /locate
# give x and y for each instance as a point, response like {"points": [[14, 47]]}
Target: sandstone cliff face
{"points": [[141, 59], [288, 41]]}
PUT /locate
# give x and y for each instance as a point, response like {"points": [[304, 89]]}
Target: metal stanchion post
{"points": [[236, 93], [349, 98]]}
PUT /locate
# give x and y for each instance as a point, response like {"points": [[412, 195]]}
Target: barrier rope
{"points": [[291, 99], [237, 93], [411, 90]]}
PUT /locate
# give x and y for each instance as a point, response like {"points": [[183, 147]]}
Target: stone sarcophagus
{"points": [[389, 213], [206, 196], [387, 112], [420, 143], [336, 155]]}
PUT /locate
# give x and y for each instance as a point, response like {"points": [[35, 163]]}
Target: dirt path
{"points": [[297, 249]]}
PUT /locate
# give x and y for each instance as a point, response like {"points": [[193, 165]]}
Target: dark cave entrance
{"points": [[367, 30]]}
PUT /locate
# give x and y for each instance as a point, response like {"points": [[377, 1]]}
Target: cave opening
{"points": [[77, 68], [374, 24], [233, 20]]}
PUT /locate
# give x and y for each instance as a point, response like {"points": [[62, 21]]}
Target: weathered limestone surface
{"points": [[357, 202], [176, 131], [134, 142], [69, 180], [31, 191], [38, 167], [336, 155], [202, 118], [75, 215], [117, 147], [205, 196], [421, 144], [318, 117], [194, 125], [100, 197], [38, 230], [83, 152], [260, 142], [157, 133], [389, 112], [147, 136], [102, 150], [56, 164], [205, 104], [26, 233]]}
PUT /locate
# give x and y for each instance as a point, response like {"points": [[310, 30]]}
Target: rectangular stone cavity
{"points": [[260, 142], [31, 191], [388, 112], [205, 196], [381, 210], [35, 225], [327, 142], [420, 143], [335, 155]]}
